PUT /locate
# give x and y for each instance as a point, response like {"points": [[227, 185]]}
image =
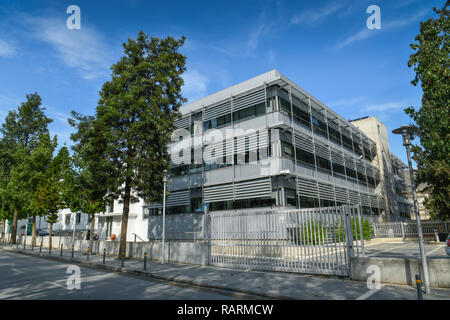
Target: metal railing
{"points": [[409, 229], [318, 240]]}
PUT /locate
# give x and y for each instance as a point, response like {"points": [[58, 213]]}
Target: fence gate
{"points": [[317, 240]]}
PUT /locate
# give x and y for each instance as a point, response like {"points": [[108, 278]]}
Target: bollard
{"points": [[87, 257], [104, 255], [32, 245], [61, 251], [123, 258], [40, 247], [436, 234], [73, 248], [49, 249], [145, 260], [419, 287], [24, 242], [17, 243]]}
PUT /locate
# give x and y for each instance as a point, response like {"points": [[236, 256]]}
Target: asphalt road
{"points": [[25, 277]]}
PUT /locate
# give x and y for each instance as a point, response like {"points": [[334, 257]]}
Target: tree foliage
{"points": [[128, 137], [21, 132], [431, 63]]}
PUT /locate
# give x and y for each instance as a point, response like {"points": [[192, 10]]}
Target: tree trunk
{"points": [[14, 227], [4, 228], [33, 232], [124, 225], [91, 239], [50, 229]]}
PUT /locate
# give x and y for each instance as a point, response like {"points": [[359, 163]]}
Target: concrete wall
{"points": [[185, 226], [402, 270], [176, 251]]}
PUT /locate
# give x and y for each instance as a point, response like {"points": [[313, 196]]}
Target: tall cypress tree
{"points": [[134, 121], [432, 66]]}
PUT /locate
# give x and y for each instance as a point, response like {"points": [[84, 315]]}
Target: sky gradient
{"points": [[323, 46]]}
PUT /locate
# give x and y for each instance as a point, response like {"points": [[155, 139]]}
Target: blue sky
{"points": [[323, 46]]}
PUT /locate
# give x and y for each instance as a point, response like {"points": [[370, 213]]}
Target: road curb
{"points": [[145, 274]]}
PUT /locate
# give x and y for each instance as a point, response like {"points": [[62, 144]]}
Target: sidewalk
{"points": [[272, 285]]}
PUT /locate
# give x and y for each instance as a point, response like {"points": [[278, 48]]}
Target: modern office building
{"points": [[422, 194], [267, 143], [394, 185]]}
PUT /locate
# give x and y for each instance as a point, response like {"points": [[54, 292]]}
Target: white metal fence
{"points": [[409, 229], [318, 240]]}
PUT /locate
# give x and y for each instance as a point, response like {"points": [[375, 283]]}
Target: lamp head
{"points": [[408, 132]]}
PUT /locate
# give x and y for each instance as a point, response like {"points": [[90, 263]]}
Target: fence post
{"points": [[349, 238], [361, 235], [403, 229]]}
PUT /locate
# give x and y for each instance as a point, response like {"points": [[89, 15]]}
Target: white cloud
{"points": [[6, 49], [390, 25], [195, 85], [346, 102], [84, 49], [386, 106], [254, 38], [314, 16], [360, 35]]}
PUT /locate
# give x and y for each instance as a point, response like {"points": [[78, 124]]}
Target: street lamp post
{"points": [[163, 252], [407, 132]]}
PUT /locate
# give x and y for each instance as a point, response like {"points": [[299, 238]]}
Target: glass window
{"points": [[307, 202], [291, 197], [302, 117], [323, 163], [67, 219], [223, 120], [78, 218], [350, 173], [337, 168], [305, 156], [287, 150]]}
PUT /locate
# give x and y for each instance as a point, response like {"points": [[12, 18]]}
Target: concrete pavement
{"points": [[272, 285]]}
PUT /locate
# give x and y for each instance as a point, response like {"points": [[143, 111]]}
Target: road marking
{"points": [[59, 285], [435, 249], [369, 293], [389, 249]]}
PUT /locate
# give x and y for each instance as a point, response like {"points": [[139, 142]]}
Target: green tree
{"points": [[20, 135], [134, 121], [30, 173], [83, 188], [432, 64], [49, 193]]}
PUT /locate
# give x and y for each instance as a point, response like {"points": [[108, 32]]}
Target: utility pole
{"points": [[407, 132]]}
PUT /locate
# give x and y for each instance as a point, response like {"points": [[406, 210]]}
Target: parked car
{"points": [[42, 233], [88, 236], [447, 245]]}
